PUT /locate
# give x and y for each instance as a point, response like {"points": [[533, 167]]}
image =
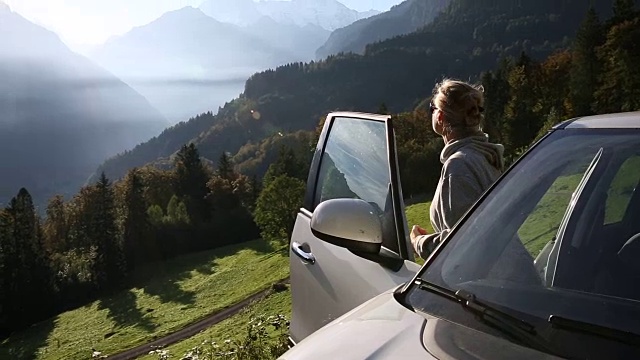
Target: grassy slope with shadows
{"points": [[171, 295], [235, 326]]}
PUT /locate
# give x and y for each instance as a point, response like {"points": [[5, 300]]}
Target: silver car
{"points": [[546, 264]]}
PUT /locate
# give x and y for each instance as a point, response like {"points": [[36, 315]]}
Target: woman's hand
{"points": [[416, 232]]}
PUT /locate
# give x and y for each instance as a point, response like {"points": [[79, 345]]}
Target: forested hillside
{"points": [[468, 38]]}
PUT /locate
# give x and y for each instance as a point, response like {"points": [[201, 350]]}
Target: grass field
{"points": [[418, 214], [235, 326], [177, 293]]}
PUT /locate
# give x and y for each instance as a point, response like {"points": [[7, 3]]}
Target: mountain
{"points": [[467, 38], [327, 14], [301, 41], [186, 62], [401, 19], [60, 114], [238, 12]]}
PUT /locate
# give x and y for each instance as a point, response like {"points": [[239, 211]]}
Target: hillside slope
{"points": [[404, 18]]}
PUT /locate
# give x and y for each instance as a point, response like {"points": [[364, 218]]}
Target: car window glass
{"points": [[355, 164], [621, 189], [538, 246]]}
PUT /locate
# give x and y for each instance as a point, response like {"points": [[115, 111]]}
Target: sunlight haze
{"points": [[83, 23]]}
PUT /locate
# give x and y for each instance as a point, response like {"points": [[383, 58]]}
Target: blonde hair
{"points": [[462, 104]]}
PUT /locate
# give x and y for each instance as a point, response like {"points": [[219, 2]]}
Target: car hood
{"points": [[378, 329], [383, 329]]}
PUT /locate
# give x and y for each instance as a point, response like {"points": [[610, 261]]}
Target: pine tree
{"points": [[33, 278], [521, 123], [136, 227], [9, 304], [225, 167], [191, 182], [623, 10], [109, 266], [586, 68]]}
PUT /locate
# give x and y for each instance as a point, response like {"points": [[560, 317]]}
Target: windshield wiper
{"points": [[626, 337], [513, 327]]}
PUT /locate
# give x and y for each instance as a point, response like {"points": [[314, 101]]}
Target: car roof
{"points": [[626, 120]]}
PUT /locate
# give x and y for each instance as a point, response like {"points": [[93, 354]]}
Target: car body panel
{"points": [[378, 329], [338, 281]]}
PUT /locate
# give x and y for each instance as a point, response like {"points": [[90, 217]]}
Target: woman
{"points": [[470, 162]]}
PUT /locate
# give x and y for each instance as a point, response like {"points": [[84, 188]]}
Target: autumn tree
{"points": [[55, 226], [620, 54]]}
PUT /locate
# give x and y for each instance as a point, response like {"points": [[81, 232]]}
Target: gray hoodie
{"points": [[470, 166]]}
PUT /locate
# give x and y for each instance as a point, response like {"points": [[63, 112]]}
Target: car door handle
{"points": [[307, 257]]}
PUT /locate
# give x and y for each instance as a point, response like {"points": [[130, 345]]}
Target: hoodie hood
{"points": [[480, 143]]}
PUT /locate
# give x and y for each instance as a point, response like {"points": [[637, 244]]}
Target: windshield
{"points": [[558, 236]]}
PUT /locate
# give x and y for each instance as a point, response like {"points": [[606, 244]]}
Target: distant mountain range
{"points": [[327, 14], [187, 63], [60, 114], [404, 18]]}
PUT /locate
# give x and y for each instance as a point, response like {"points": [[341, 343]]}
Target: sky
{"points": [[83, 23]]}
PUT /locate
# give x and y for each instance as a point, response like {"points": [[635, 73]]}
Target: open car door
{"points": [[350, 241]]}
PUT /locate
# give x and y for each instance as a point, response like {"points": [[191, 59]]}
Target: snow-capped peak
{"points": [[328, 14]]}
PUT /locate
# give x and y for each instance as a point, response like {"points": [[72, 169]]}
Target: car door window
{"points": [[543, 222], [355, 164]]}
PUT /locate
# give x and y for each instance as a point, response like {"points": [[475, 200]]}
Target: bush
{"points": [[266, 338]]}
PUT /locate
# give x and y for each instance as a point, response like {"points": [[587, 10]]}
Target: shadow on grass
{"points": [[162, 280], [260, 247], [169, 290], [26, 344], [123, 310]]}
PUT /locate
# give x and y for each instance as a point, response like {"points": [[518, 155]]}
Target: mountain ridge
{"points": [[403, 18], [328, 14]]}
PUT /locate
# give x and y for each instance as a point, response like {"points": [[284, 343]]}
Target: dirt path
{"points": [[192, 329]]}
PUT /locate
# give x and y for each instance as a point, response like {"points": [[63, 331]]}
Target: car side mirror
{"points": [[348, 223]]}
